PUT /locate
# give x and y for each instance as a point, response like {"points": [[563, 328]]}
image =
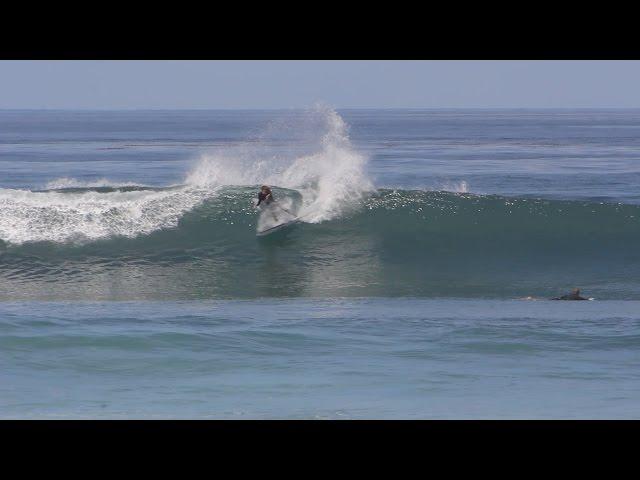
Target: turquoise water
{"points": [[133, 284], [338, 358]]}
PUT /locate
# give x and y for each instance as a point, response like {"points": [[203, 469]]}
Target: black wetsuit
{"points": [[571, 296], [265, 197]]}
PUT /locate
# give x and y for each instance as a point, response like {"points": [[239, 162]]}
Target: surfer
{"points": [[266, 196], [574, 295]]}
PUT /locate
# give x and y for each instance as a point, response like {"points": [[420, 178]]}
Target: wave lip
{"points": [[67, 183]]}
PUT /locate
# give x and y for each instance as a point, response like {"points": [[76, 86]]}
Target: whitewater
{"points": [[330, 181]]}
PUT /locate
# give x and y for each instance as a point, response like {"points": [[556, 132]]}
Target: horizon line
{"points": [[149, 109]]}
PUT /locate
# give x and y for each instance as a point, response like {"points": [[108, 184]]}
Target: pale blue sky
{"points": [[299, 84]]}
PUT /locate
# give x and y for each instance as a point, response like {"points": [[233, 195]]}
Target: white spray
{"points": [[319, 163], [330, 179]]}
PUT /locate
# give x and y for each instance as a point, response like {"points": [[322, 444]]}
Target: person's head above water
{"points": [[576, 291], [265, 188]]}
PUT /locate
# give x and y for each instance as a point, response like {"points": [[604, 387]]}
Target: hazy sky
{"points": [[342, 84]]}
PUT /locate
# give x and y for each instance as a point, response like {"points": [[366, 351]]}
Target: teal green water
{"points": [[394, 243], [320, 359]]}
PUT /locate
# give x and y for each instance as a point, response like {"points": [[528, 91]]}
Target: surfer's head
{"points": [[265, 188], [576, 291]]}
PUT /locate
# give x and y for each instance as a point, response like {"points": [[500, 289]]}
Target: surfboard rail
{"points": [[269, 230]]}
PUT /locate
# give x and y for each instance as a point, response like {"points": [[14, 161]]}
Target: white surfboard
{"points": [[282, 225], [275, 228]]}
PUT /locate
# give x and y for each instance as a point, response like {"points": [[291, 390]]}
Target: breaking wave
{"points": [[394, 242], [110, 240], [328, 176]]}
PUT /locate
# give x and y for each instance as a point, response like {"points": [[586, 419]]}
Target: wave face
{"points": [[196, 242]]}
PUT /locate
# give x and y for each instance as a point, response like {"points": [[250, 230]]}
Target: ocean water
{"points": [[415, 285]]}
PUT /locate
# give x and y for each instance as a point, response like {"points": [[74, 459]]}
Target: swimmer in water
{"points": [[574, 295]]}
